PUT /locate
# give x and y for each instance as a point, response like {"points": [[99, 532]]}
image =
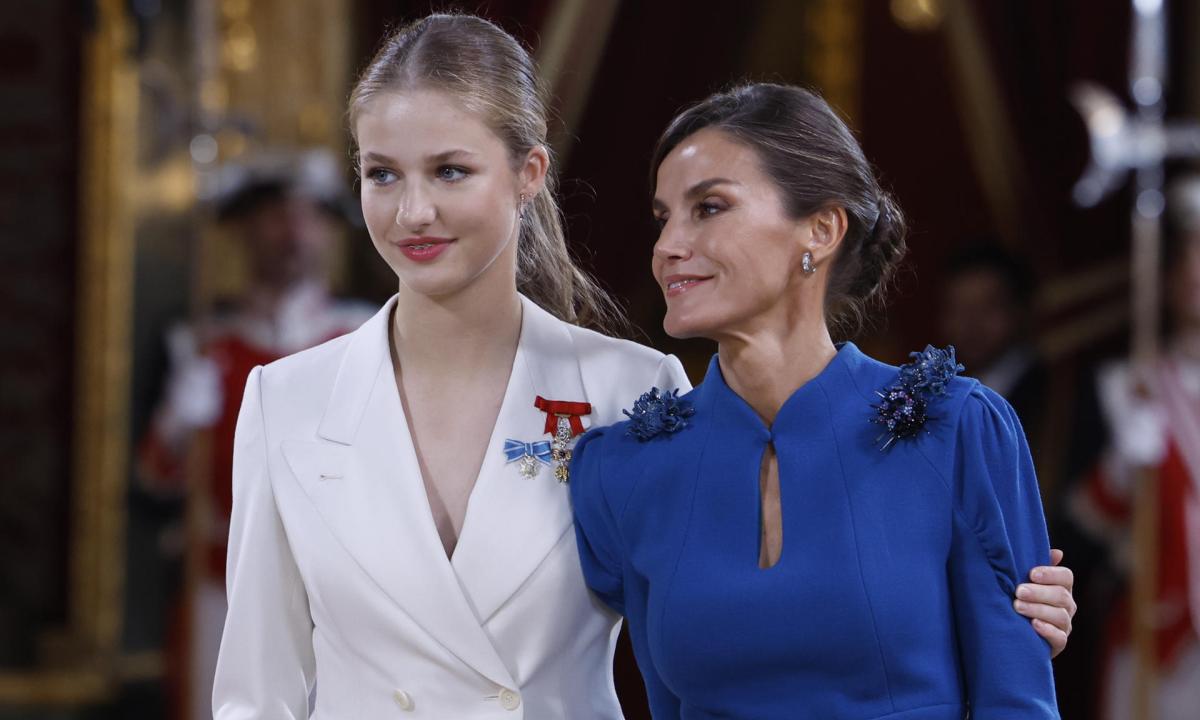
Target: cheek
{"points": [[755, 272], [379, 213], [481, 217]]}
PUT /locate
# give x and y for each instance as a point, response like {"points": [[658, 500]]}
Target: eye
{"points": [[380, 176], [452, 173], [660, 221], [708, 208]]}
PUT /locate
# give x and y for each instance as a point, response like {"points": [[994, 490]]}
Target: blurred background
{"points": [[153, 153]]}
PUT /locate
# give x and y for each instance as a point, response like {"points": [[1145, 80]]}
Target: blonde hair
{"points": [[488, 71]]}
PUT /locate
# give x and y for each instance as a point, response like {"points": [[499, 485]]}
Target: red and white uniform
{"points": [[1164, 434]]}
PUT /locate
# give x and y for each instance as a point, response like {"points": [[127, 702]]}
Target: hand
{"points": [[1048, 602]]}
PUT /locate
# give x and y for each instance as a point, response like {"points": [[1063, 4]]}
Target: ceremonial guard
{"points": [[1160, 430]]}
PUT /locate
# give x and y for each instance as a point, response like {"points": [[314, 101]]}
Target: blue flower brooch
{"points": [[655, 413], [904, 404]]}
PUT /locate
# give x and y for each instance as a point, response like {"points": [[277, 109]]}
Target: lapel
{"points": [[365, 482], [513, 522]]}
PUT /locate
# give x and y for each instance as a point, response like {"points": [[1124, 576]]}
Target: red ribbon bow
{"points": [[555, 408]]}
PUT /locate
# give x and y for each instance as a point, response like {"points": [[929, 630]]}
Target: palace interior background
{"points": [[117, 116]]}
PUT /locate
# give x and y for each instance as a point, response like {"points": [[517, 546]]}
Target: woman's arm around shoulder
{"points": [[266, 666]]}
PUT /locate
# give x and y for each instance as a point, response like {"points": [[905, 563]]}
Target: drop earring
{"points": [[521, 207], [806, 264]]}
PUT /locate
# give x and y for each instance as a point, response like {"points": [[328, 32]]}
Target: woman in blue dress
{"points": [[809, 533]]}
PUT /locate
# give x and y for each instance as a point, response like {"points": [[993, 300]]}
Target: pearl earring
{"points": [[806, 264]]}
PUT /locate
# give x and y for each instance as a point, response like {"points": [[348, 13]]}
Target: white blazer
{"points": [[337, 577]]}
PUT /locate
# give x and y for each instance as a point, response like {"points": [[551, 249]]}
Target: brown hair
{"points": [[814, 160], [488, 71]]}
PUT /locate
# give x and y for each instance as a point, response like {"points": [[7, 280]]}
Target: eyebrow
{"points": [[698, 189], [437, 158], [376, 157], [451, 154]]}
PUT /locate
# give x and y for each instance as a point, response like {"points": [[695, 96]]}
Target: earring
{"points": [[806, 264], [521, 208]]}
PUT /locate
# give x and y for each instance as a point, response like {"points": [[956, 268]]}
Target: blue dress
{"points": [[892, 597]]}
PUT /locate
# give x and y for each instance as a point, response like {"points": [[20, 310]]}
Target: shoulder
{"points": [[605, 468], [616, 371], [987, 418], [659, 428], [312, 365], [980, 446], [305, 375], [922, 402], [603, 354]]}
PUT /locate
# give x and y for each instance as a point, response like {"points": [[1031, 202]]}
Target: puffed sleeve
{"points": [[1000, 535], [595, 527], [602, 556], [265, 669]]}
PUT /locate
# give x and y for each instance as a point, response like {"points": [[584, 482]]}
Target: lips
{"points": [[423, 249], [674, 285]]}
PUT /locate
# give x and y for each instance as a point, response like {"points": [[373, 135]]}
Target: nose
{"points": [[672, 244], [416, 210]]}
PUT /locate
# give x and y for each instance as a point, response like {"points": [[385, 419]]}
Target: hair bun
{"points": [[883, 247]]}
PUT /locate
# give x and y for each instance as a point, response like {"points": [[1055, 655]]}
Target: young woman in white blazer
{"points": [[361, 582]]}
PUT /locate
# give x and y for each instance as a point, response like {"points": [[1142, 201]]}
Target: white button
{"points": [[404, 700], [509, 700]]}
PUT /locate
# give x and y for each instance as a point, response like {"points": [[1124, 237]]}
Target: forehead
{"points": [[706, 154], [421, 122]]}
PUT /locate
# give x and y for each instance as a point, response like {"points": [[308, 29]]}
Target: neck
{"points": [[457, 334], [767, 364]]}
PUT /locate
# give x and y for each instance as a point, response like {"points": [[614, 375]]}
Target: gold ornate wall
{"points": [[165, 102]]}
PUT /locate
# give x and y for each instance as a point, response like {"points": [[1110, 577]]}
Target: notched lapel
{"points": [[365, 483], [514, 522], [314, 463]]}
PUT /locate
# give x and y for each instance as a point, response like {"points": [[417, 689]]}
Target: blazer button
{"points": [[509, 700], [404, 700]]}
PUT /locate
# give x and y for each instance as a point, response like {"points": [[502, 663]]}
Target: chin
{"points": [[681, 326], [446, 280], [434, 282], [435, 287]]}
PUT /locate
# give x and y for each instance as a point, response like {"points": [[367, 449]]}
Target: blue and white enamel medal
{"points": [[529, 456]]}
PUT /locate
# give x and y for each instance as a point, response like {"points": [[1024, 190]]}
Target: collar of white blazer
{"points": [[512, 522], [545, 344]]}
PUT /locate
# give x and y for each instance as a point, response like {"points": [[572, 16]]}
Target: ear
{"points": [[531, 177], [828, 227]]}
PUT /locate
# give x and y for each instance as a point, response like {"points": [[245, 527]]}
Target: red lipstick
{"points": [[423, 249]]}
